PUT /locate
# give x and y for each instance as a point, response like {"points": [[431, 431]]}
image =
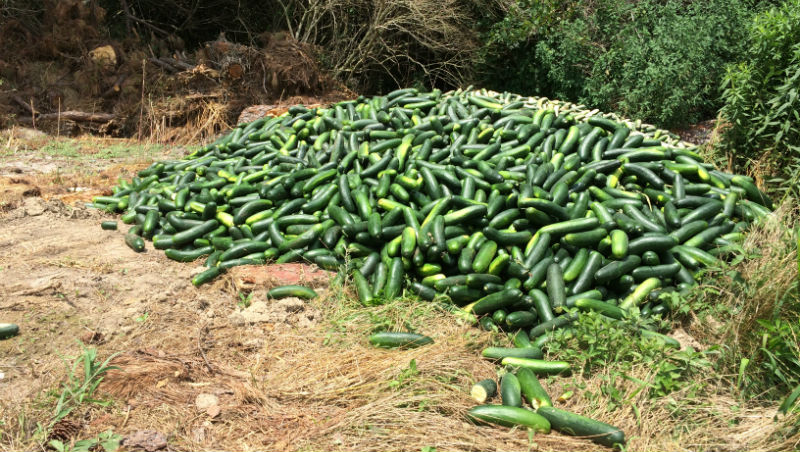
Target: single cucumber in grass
{"points": [[8, 330], [576, 425], [291, 290], [509, 416], [399, 340]]}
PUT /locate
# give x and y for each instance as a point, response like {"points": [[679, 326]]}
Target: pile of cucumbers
{"points": [[518, 211]]}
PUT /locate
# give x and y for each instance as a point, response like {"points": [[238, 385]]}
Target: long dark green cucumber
{"points": [[188, 255], [388, 339], [558, 322], [538, 366], [573, 424], [555, 287], [509, 416], [497, 300], [499, 353]]}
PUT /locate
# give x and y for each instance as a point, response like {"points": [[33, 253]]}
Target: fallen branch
{"points": [[78, 116], [28, 107], [163, 64], [177, 63]]}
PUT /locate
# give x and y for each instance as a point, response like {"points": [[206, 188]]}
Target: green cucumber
{"points": [[510, 392], [499, 353], [619, 243], [483, 390], [497, 300], [555, 287], [8, 330], [134, 242], [607, 309], [291, 290], [577, 425], [509, 416], [520, 319], [389, 339], [538, 366], [532, 390]]}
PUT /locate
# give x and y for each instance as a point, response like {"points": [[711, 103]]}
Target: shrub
{"points": [[761, 98], [657, 60]]}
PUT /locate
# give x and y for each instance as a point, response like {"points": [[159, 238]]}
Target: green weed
{"points": [[612, 351], [81, 387], [107, 441]]}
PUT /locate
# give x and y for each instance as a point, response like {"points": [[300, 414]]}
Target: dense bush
{"points": [[658, 60], [761, 98]]}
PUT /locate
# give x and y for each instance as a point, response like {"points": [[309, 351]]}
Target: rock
{"points": [[33, 207], [93, 337], [213, 411], [149, 440], [205, 401]]}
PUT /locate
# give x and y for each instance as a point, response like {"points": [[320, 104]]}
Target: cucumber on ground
{"points": [[8, 330], [134, 242], [510, 392], [483, 390], [292, 291], [509, 416], [389, 339], [532, 390], [505, 352], [538, 366], [577, 425]]}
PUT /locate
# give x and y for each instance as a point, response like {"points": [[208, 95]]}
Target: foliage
{"points": [[658, 60], [80, 388], [761, 97], [614, 350], [107, 441], [777, 360]]}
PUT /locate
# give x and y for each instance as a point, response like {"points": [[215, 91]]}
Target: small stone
{"points": [[149, 440], [205, 401], [213, 411], [33, 207]]}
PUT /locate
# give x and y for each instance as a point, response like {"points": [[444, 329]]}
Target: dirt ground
{"points": [[196, 366], [221, 368]]}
